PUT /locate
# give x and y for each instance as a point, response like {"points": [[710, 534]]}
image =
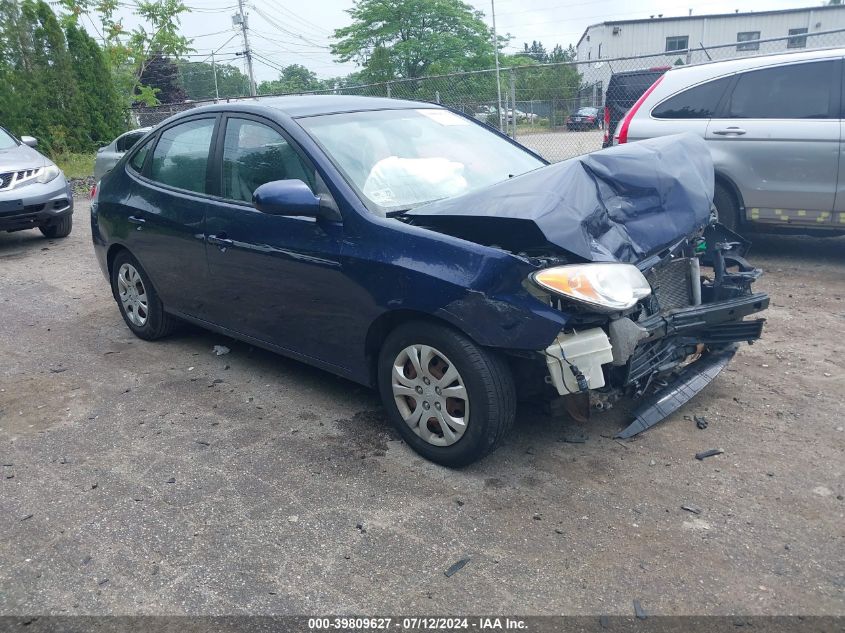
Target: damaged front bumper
{"points": [[663, 356]]}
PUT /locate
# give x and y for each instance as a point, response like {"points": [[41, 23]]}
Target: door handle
{"points": [[731, 131], [135, 220], [220, 240]]}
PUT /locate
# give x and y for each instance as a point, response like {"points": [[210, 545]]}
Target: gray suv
{"points": [[33, 191], [773, 125]]}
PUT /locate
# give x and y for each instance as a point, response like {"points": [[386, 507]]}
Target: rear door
{"points": [[166, 211], [777, 136]]}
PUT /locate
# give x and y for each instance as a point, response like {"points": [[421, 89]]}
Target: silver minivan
{"points": [[774, 128]]}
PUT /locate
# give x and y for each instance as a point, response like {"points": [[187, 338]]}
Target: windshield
{"points": [[399, 159], [6, 140], [587, 111]]}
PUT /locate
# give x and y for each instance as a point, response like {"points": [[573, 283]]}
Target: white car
{"points": [[773, 125]]}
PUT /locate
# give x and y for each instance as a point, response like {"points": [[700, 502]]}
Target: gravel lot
{"points": [[153, 478]]}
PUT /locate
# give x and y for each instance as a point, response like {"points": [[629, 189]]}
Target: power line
{"points": [[284, 30]]}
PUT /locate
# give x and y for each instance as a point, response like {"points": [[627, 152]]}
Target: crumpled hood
{"points": [[621, 204], [20, 157]]}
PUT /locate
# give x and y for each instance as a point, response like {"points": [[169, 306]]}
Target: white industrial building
{"points": [[694, 39]]}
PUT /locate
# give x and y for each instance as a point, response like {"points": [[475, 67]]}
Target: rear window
{"points": [[626, 89], [698, 102], [797, 91]]}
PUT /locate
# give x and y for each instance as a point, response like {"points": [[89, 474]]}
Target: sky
{"points": [[284, 32]]}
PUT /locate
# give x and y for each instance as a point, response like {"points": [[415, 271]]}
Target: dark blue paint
{"points": [[286, 197], [312, 288]]}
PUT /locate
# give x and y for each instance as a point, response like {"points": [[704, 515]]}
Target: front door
{"points": [[274, 278], [778, 138]]}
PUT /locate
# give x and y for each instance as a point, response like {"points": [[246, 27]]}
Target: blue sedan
{"points": [[410, 248]]}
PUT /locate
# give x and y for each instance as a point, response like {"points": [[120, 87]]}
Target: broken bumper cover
{"points": [[666, 342]]}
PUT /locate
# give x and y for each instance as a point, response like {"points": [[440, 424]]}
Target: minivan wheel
{"points": [[62, 228], [450, 399], [727, 209], [137, 299]]}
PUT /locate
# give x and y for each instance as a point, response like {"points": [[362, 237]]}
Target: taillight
{"points": [[93, 191], [626, 120], [606, 124], [591, 118]]}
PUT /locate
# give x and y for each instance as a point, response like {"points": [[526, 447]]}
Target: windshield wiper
{"points": [[393, 214]]}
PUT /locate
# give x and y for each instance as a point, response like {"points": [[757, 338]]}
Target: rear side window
{"points": [[125, 143], [254, 154], [699, 102], [137, 161], [799, 91], [180, 157]]}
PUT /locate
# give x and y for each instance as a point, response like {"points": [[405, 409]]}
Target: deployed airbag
{"points": [[621, 204]]}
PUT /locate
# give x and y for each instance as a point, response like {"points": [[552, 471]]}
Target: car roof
{"points": [[313, 105], [681, 77]]}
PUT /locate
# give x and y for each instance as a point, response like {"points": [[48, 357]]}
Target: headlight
{"points": [[47, 173], [607, 287]]}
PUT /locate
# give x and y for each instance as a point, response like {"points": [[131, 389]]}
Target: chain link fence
{"points": [[555, 109]]}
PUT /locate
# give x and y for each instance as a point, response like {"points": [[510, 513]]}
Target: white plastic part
{"points": [[587, 350]]}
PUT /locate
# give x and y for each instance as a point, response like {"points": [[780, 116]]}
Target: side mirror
{"points": [[291, 197], [29, 140]]}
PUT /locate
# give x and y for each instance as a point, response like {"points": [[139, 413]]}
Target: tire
{"points": [[62, 228], [143, 311], [727, 208], [488, 406]]}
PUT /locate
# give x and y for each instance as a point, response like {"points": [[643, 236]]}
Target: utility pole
{"points": [[214, 72], [239, 19], [496, 52]]}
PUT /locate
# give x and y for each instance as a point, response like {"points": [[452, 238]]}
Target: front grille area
{"points": [[6, 179], [670, 284]]}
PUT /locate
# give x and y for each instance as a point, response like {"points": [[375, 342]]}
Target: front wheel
{"points": [[450, 399], [62, 228]]}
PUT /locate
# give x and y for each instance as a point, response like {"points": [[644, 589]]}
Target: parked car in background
{"points": [[33, 191], [586, 118], [412, 249], [622, 93], [773, 125], [108, 156]]}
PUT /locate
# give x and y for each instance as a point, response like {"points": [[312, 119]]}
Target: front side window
{"points": [[797, 38], [7, 141], [750, 39], [180, 158], [399, 159], [677, 43], [254, 154], [137, 161], [699, 102], [799, 91]]}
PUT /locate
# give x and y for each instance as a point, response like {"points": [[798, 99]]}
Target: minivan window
{"points": [[137, 161], [798, 91], [699, 102], [253, 154], [180, 157]]}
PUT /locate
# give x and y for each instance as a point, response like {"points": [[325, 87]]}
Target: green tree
{"points": [[129, 52], [197, 79], [412, 38], [42, 97], [161, 76], [292, 79], [104, 111]]}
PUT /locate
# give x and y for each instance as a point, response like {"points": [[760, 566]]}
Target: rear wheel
{"points": [[727, 209], [450, 399], [138, 301], [62, 228]]}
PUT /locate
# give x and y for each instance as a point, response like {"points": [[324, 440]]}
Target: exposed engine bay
{"points": [[643, 212]]}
